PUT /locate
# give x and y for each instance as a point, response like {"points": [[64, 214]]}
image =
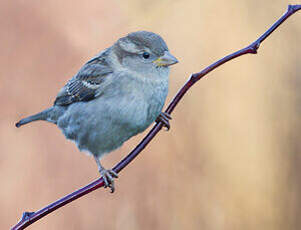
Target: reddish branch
{"points": [[30, 217]]}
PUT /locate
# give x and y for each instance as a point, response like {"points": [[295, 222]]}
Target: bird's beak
{"points": [[166, 60]]}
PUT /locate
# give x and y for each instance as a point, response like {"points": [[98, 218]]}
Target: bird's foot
{"points": [[108, 176], [164, 117]]}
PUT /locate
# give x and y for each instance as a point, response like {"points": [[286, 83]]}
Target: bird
{"points": [[114, 96]]}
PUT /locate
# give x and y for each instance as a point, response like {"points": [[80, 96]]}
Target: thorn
{"points": [[26, 215], [293, 8], [254, 47], [257, 46]]}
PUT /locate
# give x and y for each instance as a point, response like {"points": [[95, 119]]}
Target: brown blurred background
{"points": [[232, 158]]}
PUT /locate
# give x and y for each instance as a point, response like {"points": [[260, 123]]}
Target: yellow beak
{"points": [[166, 60]]}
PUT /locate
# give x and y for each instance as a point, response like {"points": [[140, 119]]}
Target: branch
{"points": [[30, 217]]}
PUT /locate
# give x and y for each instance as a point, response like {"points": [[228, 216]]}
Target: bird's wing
{"points": [[85, 85]]}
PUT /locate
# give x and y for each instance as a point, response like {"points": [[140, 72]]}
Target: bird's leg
{"points": [[108, 175], [164, 117]]}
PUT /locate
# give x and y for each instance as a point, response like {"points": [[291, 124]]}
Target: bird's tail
{"points": [[44, 115]]}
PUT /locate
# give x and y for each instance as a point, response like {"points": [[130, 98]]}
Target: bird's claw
{"points": [[108, 176], [164, 118]]}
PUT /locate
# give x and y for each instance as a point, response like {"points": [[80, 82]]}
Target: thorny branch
{"points": [[30, 217]]}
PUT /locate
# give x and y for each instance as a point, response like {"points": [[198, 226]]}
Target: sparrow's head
{"points": [[143, 51]]}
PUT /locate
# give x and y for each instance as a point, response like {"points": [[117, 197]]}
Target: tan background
{"points": [[232, 157]]}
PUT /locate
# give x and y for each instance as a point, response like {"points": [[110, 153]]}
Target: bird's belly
{"points": [[100, 128]]}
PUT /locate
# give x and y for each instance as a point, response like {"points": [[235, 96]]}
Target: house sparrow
{"points": [[114, 96]]}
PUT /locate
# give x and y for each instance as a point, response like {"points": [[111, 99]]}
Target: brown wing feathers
{"points": [[85, 85]]}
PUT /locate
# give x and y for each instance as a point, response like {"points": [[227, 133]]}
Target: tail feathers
{"points": [[39, 116]]}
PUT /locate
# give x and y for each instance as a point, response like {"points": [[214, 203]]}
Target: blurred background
{"points": [[232, 157]]}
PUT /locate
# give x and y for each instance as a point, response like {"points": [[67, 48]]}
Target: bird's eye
{"points": [[145, 55]]}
